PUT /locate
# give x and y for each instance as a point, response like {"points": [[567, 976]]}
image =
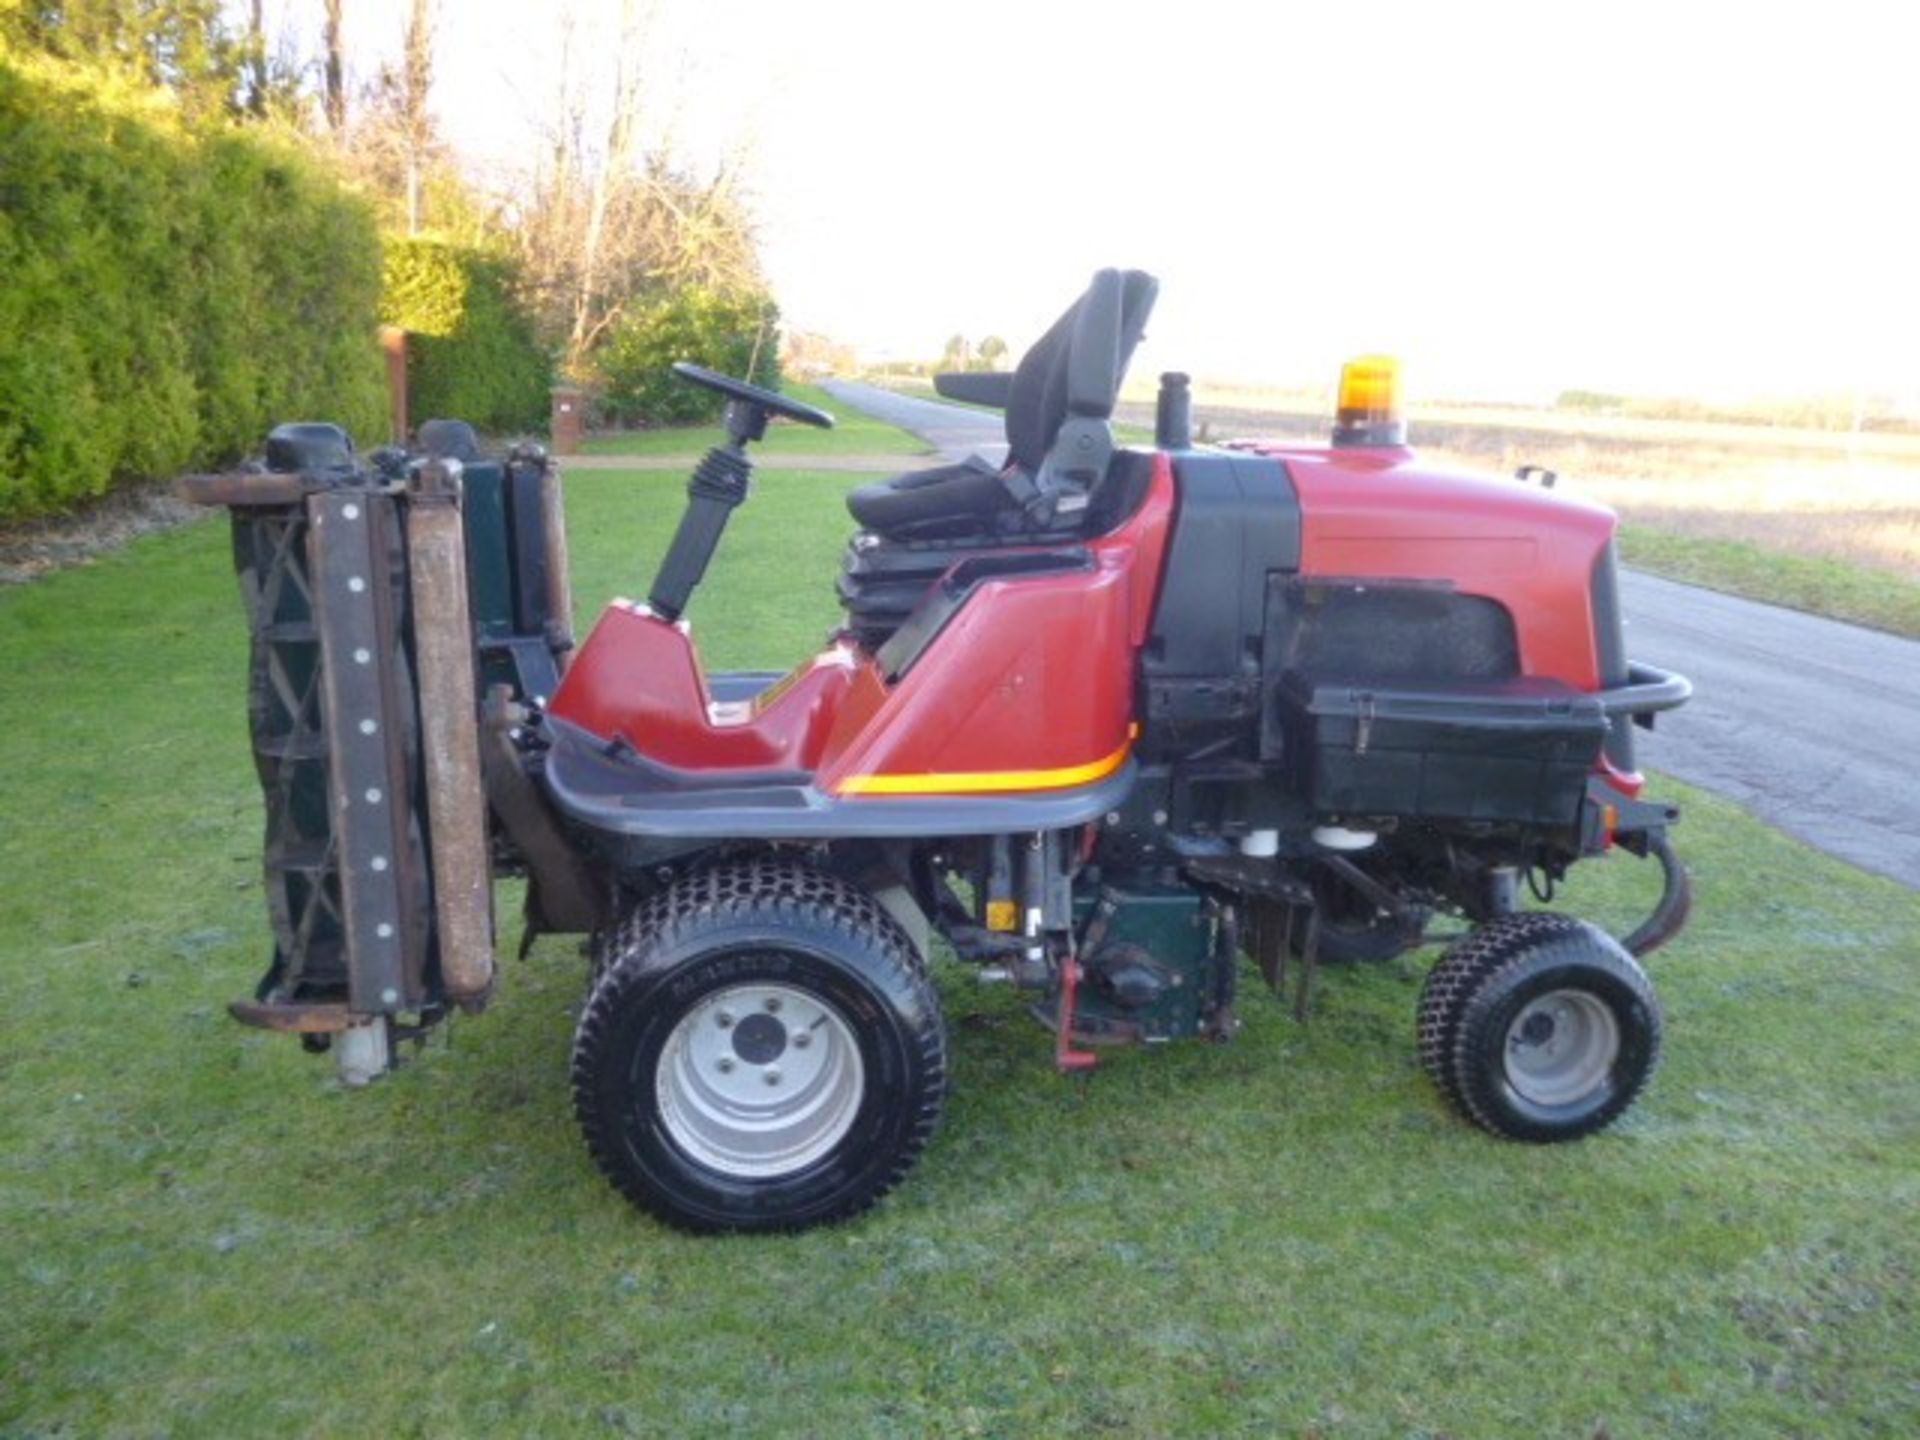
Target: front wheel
{"points": [[1539, 1027], [761, 1051]]}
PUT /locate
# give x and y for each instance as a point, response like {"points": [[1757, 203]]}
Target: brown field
{"points": [[1830, 495]]}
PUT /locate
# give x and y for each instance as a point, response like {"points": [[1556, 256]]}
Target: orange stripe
{"points": [[964, 782]]}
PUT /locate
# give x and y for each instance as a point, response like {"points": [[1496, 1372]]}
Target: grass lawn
{"points": [[201, 1234], [1864, 594], [853, 434]]}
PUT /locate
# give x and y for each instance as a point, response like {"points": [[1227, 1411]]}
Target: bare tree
{"points": [[392, 146], [335, 69], [416, 82], [609, 180], [255, 59], [612, 217]]}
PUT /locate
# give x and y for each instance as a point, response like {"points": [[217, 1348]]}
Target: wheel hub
{"points": [[759, 1080], [1561, 1047], [759, 1039]]}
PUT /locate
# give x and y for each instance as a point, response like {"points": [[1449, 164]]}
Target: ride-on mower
{"points": [[1101, 718]]}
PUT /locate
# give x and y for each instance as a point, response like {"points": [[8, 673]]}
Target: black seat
{"points": [[1059, 404]]}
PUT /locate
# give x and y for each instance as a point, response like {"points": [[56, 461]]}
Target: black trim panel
{"points": [[616, 795]]}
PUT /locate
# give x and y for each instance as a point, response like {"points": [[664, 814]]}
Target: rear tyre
{"points": [[761, 1050], [1539, 1027]]}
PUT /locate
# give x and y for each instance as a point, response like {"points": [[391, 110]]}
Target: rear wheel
{"points": [[1539, 1027], [761, 1051]]}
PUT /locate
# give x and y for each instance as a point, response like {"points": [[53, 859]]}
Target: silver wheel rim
{"points": [[1561, 1047], [759, 1081]]}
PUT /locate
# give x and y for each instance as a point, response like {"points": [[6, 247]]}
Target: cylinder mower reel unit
{"points": [[1118, 725]]}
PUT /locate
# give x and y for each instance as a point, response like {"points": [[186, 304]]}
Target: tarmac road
{"points": [[1811, 724]]}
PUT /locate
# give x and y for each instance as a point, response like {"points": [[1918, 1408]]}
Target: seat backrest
{"points": [[1075, 369]]}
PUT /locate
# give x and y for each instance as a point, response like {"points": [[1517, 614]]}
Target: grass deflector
{"points": [[1100, 718]]}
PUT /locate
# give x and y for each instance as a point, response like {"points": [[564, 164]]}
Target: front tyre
{"points": [[1539, 1027], [762, 1050]]}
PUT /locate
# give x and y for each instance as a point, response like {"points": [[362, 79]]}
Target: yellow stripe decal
{"points": [[968, 782]]}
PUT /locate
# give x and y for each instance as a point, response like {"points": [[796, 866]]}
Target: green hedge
{"points": [[721, 331], [166, 296], [471, 354]]}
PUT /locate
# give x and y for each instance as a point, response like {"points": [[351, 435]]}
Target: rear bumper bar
{"points": [[1641, 826], [1648, 690]]}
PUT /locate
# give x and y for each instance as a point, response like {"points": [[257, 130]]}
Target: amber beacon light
{"points": [[1369, 412]]}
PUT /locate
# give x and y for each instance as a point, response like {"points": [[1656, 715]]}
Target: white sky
{"points": [[1514, 198]]}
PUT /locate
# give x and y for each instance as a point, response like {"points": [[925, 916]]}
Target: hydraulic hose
{"points": [[1676, 900]]}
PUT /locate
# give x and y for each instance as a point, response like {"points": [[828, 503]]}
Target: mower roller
{"points": [[1101, 721]]}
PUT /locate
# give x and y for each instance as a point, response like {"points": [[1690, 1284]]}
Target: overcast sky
{"points": [[1514, 198]]}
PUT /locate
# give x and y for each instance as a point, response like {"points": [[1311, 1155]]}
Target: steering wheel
{"points": [[769, 402]]}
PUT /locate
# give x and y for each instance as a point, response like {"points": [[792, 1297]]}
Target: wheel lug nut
{"points": [[771, 1075], [724, 1019], [802, 1040], [724, 1064], [773, 1004]]}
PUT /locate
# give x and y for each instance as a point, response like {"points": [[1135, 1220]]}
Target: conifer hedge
{"points": [[166, 293], [471, 352]]}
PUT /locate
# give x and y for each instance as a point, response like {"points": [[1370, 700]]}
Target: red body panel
{"points": [[1029, 687], [637, 678], [1033, 676], [1380, 514]]}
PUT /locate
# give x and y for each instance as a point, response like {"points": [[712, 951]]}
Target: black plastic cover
{"points": [[1610, 647], [316, 446], [450, 440], [1516, 750], [1237, 522]]}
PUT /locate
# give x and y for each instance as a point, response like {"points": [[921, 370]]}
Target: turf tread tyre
{"points": [[662, 936], [1475, 982], [1458, 972]]}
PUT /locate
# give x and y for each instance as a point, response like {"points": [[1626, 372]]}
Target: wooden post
{"points": [[393, 343], [569, 419]]}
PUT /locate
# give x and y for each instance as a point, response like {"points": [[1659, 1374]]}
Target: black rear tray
{"points": [[1504, 750]]}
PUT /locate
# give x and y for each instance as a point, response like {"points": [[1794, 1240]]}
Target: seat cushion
{"points": [[923, 504]]}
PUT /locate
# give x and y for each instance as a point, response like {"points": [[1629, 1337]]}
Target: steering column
{"points": [[720, 482]]}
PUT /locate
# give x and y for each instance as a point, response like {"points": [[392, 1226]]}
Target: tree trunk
{"points": [[336, 70], [418, 80], [616, 171], [257, 59]]}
